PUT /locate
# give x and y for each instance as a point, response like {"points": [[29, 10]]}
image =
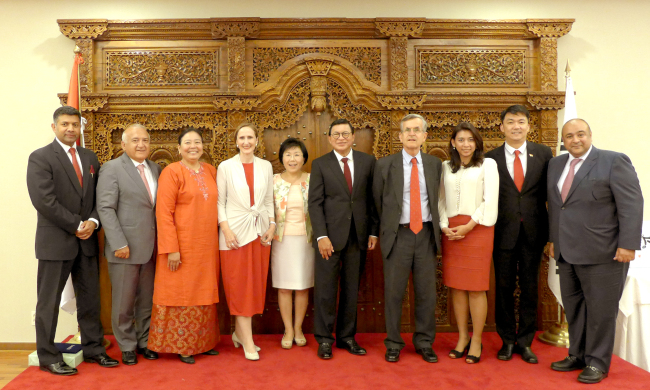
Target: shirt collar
{"points": [[339, 157], [65, 147], [137, 163], [521, 149], [583, 157], [407, 157]]}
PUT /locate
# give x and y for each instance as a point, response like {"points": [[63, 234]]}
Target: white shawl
{"points": [[247, 223]]}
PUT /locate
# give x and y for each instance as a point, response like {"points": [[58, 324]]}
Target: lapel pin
{"points": [[530, 155], [92, 171]]}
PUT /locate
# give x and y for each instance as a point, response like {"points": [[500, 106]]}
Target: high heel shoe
{"points": [[286, 344], [252, 355], [237, 343], [301, 342], [471, 359], [459, 354]]}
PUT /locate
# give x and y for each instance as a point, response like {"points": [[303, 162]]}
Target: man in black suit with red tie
{"points": [[521, 231], [345, 225], [61, 180]]}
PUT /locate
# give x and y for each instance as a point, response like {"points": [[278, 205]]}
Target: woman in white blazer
{"points": [[247, 227]]}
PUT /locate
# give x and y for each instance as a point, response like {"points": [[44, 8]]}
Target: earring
{"points": [[453, 147], [237, 146]]}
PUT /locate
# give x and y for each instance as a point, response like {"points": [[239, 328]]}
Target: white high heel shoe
{"points": [[237, 343]]}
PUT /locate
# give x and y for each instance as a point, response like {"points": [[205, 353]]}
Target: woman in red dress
{"points": [[184, 315], [247, 222]]}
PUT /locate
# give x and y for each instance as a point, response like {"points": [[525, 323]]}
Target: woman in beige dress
{"points": [[292, 256]]}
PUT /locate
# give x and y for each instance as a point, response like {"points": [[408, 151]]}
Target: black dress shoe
{"points": [[352, 347], [591, 374], [528, 355], [427, 355], [59, 368], [505, 353], [211, 352], [392, 355], [147, 353], [129, 358], [187, 359], [570, 363], [103, 360], [325, 351]]}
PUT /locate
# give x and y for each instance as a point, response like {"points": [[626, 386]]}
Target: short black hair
{"points": [[65, 110], [514, 110], [293, 143], [189, 130], [341, 121]]}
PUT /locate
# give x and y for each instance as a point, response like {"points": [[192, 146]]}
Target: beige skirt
{"points": [[292, 263]]}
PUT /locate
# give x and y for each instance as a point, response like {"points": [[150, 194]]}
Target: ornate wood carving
{"points": [[236, 66], [267, 60], [475, 67], [398, 65], [301, 74], [161, 68]]}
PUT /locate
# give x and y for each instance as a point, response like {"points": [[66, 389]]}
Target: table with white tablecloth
{"points": [[633, 322]]}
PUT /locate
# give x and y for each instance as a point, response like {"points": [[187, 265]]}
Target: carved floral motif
{"points": [[548, 29], [546, 100], [74, 29], [402, 101], [318, 87], [244, 29], [236, 66], [86, 77], [161, 68], [548, 54], [482, 66], [268, 59], [398, 63], [227, 103], [89, 102], [400, 28], [319, 67]]}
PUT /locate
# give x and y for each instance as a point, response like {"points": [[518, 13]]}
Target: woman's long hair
{"points": [[477, 158]]}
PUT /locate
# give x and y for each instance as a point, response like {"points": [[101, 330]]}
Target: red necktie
{"points": [[416, 206], [519, 171], [569, 178], [75, 164], [144, 179], [346, 173]]}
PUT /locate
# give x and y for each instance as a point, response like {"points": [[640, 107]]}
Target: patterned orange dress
{"points": [[184, 315]]}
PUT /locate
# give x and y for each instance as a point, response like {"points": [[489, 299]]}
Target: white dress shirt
{"points": [[149, 176], [406, 197], [510, 158], [470, 191], [565, 172], [66, 149], [350, 163]]}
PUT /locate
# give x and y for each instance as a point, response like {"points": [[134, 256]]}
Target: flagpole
{"points": [[77, 52]]}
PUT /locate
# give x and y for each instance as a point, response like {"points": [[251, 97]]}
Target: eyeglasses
{"points": [[415, 130], [345, 135]]}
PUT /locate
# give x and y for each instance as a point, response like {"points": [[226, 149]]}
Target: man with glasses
{"points": [[405, 189], [345, 225]]}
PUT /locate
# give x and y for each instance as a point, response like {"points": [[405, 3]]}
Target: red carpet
{"points": [[300, 368]]}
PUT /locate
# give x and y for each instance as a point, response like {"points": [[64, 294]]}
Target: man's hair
{"points": [[414, 116], [65, 110], [577, 120], [130, 126], [515, 110], [341, 121], [293, 143]]}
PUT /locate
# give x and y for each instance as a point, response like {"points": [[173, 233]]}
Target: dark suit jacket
{"points": [[60, 201], [125, 210], [530, 204], [331, 206], [388, 190], [603, 210]]}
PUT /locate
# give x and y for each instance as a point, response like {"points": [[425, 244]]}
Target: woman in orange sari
{"points": [[184, 315]]}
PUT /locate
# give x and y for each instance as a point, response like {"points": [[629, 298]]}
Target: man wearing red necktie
{"points": [[405, 189], [521, 231], [595, 211], [61, 184]]}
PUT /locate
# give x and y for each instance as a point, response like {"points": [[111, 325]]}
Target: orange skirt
{"points": [[186, 330], [245, 272], [466, 262]]}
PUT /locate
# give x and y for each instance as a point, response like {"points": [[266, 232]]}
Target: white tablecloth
{"points": [[632, 337]]}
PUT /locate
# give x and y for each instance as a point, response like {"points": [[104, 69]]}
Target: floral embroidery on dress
{"points": [[281, 198], [200, 180]]}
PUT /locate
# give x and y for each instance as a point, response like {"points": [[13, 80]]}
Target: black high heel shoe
{"points": [[471, 359], [459, 354]]}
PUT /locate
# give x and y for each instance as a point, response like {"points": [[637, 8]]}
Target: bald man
{"points": [[595, 211], [126, 199]]}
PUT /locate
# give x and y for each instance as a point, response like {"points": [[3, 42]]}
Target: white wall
{"points": [[605, 47]]}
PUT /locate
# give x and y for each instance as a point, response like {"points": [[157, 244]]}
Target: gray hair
{"points": [[413, 116], [130, 126]]}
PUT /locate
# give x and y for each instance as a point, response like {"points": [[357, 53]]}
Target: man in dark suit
{"points": [[521, 231], [345, 224], [61, 180], [405, 189], [595, 210], [126, 196]]}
